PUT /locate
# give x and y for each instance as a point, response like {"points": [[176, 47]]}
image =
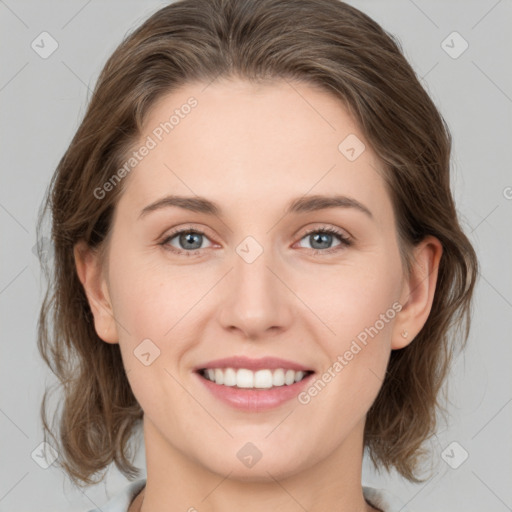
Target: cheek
{"points": [[154, 307], [360, 299], [158, 306], [150, 298], [361, 309]]}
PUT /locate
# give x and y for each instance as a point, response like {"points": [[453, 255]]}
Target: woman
{"points": [[257, 259]]}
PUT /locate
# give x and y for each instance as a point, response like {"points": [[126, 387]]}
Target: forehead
{"points": [[233, 140]]}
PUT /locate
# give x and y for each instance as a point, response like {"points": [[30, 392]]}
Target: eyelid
{"points": [[199, 228], [329, 228]]}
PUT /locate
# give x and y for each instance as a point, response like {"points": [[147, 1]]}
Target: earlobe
{"points": [[89, 270], [418, 292]]}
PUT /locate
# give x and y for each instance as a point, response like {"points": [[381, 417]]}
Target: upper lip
{"points": [[262, 363]]}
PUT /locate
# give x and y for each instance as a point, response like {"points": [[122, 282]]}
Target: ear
{"points": [[91, 275], [417, 292]]}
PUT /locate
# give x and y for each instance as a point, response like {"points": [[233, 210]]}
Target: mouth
{"points": [[253, 385], [243, 378]]}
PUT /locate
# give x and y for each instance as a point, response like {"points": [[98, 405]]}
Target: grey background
{"points": [[42, 103]]}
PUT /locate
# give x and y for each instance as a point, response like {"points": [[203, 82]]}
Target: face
{"points": [[276, 293]]}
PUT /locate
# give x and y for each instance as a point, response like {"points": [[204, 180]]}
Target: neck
{"points": [[176, 482]]}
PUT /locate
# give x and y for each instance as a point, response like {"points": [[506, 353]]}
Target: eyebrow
{"points": [[301, 205]]}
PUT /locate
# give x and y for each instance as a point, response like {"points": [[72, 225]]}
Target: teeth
{"points": [[299, 376], [261, 379], [278, 377], [219, 376], [244, 378], [229, 377]]}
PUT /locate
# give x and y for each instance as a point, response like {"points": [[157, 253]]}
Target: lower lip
{"points": [[255, 399]]}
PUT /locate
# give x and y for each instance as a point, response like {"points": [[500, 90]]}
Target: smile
{"points": [[253, 385], [247, 379]]}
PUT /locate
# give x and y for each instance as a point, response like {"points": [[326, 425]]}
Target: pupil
{"points": [[322, 236], [188, 238]]}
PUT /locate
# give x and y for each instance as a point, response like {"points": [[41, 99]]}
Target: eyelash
{"points": [[345, 241]]}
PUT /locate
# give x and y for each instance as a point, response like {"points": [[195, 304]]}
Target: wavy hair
{"points": [[325, 43]]}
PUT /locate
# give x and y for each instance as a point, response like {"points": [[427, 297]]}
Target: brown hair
{"points": [[325, 43]]}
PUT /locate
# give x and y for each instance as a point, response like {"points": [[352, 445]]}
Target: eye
{"points": [[189, 241], [320, 238]]}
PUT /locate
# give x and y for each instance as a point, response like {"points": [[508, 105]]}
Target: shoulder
{"points": [[121, 501], [384, 500]]}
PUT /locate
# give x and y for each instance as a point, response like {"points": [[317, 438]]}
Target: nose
{"points": [[256, 301]]}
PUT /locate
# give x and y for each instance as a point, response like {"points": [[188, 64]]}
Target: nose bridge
{"points": [[256, 300]]}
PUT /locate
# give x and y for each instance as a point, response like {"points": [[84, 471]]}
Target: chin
{"points": [[261, 472], [247, 463]]}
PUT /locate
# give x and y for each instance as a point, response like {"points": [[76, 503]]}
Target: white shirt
{"points": [[378, 498]]}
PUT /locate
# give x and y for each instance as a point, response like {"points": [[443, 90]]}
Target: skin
{"points": [[252, 149]]}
